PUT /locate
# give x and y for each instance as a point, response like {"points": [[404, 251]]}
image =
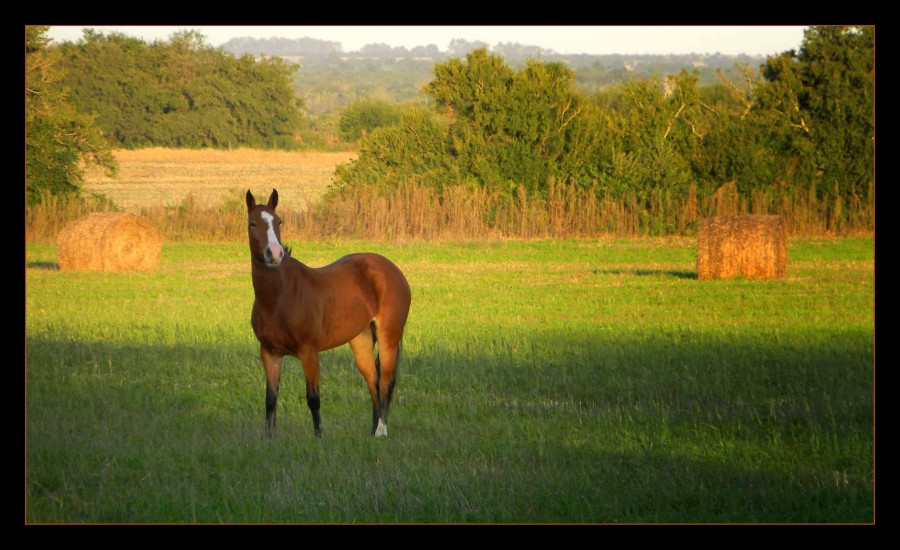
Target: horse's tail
{"points": [[377, 354]]}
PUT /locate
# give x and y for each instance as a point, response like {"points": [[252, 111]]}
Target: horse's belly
{"points": [[343, 326]]}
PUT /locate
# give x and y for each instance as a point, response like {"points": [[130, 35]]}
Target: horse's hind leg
{"points": [[310, 360], [272, 365], [363, 347], [388, 355]]}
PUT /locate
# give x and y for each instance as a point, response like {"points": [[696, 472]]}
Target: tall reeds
{"points": [[45, 219], [412, 212]]}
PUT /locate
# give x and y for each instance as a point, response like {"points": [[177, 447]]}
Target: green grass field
{"points": [[544, 381]]}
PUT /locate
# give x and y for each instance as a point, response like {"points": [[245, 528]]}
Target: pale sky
{"points": [[728, 40]]}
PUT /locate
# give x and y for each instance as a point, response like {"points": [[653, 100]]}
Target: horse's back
{"points": [[371, 266], [386, 280]]}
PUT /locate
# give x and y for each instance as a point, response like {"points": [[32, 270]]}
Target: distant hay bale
{"points": [[109, 241], [754, 247]]}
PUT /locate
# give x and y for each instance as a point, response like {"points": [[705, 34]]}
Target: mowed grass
{"points": [[543, 381], [168, 177]]}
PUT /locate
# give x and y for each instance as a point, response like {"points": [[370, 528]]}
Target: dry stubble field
{"points": [[166, 177]]}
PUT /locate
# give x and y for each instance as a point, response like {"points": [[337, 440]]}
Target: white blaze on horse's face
{"points": [[274, 251]]}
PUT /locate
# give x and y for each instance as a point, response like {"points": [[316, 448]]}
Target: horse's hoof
{"points": [[381, 430]]}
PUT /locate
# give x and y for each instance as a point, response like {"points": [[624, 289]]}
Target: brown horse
{"points": [[362, 299]]}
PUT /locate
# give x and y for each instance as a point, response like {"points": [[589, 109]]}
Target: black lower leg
{"points": [[313, 401], [376, 414], [385, 403], [271, 404]]}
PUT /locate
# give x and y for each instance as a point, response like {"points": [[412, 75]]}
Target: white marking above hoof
{"points": [[381, 430]]}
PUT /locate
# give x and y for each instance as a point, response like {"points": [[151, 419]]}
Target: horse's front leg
{"points": [[272, 365], [310, 360]]}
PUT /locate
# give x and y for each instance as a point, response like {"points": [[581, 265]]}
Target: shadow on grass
{"points": [[678, 274], [51, 266], [689, 411], [575, 414]]}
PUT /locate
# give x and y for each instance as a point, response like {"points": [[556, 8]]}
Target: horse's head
{"points": [[264, 230]]}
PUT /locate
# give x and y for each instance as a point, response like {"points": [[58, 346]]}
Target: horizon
{"points": [[564, 40]]}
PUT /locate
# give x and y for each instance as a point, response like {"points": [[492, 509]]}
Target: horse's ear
{"points": [[273, 199], [251, 201]]}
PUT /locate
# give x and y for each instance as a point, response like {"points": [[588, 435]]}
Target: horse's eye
{"points": [[252, 224]]}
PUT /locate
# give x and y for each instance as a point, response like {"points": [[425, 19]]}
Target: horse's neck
{"points": [[269, 284]]}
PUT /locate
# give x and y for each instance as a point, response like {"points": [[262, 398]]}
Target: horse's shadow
{"points": [[52, 266]]}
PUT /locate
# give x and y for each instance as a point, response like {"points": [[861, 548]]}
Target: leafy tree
{"points": [[549, 130], [504, 129], [415, 150], [820, 103], [837, 68], [658, 130], [57, 136], [736, 144], [181, 92], [361, 117]]}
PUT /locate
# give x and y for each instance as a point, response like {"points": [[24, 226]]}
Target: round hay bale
{"points": [[109, 241], [754, 247]]}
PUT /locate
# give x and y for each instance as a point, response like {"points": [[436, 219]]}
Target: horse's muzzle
{"points": [[273, 258]]}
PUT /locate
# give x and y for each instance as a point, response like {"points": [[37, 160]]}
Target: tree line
{"points": [[84, 99], [180, 92], [328, 78], [316, 51], [803, 120], [58, 136]]}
